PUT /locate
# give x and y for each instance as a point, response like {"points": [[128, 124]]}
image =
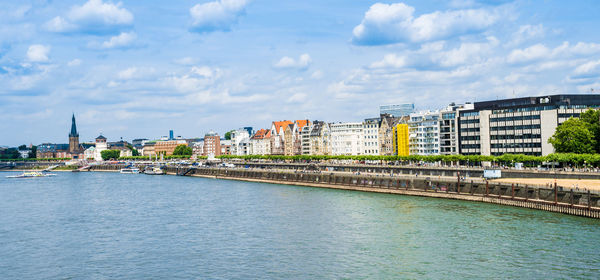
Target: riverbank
{"points": [[549, 199]]}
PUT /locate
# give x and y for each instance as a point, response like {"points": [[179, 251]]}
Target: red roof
{"points": [[261, 134], [280, 124], [302, 123]]}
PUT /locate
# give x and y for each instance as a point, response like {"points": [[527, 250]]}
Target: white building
{"points": [[24, 153], [424, 133], [346, 138], [89, 153], [305, 139], [198, 148], [371, 136], [260, 143], [240, 141], [100, 146]]}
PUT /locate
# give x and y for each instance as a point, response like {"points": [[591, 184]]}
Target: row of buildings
{"points": [[517, 125]]}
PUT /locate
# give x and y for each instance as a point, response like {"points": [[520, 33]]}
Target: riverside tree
{"points": [[110, 154], [182, 150], [573, 136], [591, 118]]}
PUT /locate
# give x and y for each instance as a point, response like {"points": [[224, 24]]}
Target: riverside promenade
{"points": [[553, 199]]}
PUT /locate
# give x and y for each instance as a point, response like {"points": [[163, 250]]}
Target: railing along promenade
{"points": [[424, 170], [554, 199]]}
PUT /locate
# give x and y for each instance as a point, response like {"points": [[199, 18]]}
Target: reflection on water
{"points": [[107, 225]]}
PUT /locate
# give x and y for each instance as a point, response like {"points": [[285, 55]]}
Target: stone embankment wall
{"points": [[425, 170], [553, 199]]}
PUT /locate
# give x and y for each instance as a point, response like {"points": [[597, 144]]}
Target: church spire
{"points": [[73, 128]]}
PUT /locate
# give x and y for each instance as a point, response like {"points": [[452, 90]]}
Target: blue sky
{"points": [[139, 68]]}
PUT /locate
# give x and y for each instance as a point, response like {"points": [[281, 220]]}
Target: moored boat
{"points": [[130, 170], [153, 171], [32, 174]]}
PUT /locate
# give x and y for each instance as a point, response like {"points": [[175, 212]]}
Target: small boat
{"points": [[153, 171], [130, 170], [33, 174]]}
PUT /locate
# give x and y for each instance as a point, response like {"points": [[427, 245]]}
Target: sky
{"points": [[136, 69]]}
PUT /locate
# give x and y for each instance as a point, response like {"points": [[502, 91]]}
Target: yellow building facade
{"points": [[401, 140]]}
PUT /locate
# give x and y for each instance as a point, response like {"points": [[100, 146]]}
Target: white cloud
{"points": [[122, 40], [301, 63], [38, 53], [186, 61], [94, 16], [74, 62], [466, 53], [390, 60], [197, 79], [216, 16], [135, 73], [540, 51], [395, 23], [526, 33], [127, 73], [588, 67], [318, 74], [532, 53], [297, 97]]}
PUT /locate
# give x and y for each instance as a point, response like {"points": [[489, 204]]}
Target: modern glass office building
{"points": [[398, 110], [519, 125]]}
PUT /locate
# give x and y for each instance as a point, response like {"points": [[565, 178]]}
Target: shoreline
{"points": [[531, 203], [537, 204]]}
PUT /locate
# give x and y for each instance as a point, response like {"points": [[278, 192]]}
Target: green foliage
{"points": [[11, 153], [134, 152], [228, 135], [591, 118], [573, 136], [182, 150], [33, 152], [110, 154], [474, 160]]}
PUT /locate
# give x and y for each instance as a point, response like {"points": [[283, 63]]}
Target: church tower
{"points": [[73, 139]]}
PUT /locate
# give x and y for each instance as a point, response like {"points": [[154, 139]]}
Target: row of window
{"points": [[470, 129], [515, 118], [469, 121], [469, 146], [520, 136], [469, 138], [515, 127], [516, 145]]}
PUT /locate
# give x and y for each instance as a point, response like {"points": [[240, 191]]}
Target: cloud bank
{"points": [[216, 16], [396, 23]]}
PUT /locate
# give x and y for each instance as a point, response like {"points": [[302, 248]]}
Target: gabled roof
{"points": [[302, 123], [281, 124], [100, 137], [261, 134]]}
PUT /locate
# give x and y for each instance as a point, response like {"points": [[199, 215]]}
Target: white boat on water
{"points": [[32, 174], [154, 171], [130, 170]]}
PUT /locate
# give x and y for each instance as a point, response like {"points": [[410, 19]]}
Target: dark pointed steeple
{"points": [[73, 128]]}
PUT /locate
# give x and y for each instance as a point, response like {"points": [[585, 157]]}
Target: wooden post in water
{"points": [[513, 191], [458, 183], [487, 187], [555, 193]]}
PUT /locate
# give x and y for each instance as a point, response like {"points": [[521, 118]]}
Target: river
{"points": [[100, 225]]}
